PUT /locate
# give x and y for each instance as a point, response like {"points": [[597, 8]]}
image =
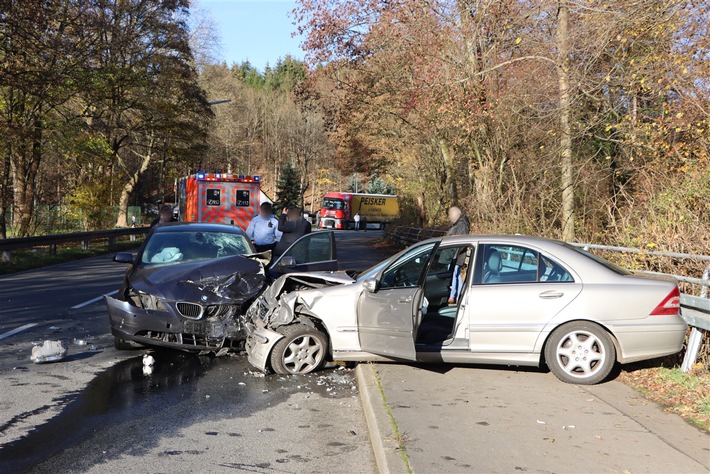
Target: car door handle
{"points": [[551, 295], [404, 300]]}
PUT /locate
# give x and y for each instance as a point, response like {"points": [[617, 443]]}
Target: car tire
{"points": [[302, 350], [121, 344], [580, 352]]}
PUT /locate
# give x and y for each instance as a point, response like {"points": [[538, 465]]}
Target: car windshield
{"points": [[333, 203], [599, 260], [190, 246]]}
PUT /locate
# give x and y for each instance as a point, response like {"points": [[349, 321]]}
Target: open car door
{"points": [[389, 308], [314, 252]]}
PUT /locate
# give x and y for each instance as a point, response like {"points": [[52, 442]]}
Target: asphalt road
{"points": [[98, 411]]}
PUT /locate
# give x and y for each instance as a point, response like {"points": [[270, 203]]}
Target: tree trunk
{"points": [[5, 191], [122, 219], [563, 72], [26, 166]]}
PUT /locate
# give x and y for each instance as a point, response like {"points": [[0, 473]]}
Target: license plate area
{"points": [[194, 327]]}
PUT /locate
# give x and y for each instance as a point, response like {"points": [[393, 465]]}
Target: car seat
{"points": [[494, 264]]}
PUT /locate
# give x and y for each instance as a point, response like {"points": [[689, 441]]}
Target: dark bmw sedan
{"points": [[190, 284]]}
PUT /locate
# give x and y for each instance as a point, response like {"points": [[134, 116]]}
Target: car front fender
{"points": [[259, 346]]}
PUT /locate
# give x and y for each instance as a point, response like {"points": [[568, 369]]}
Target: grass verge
{"points": [[686, 394], [398, 436], [37, 258]]}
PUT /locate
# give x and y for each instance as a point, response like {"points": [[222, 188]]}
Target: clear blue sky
{"points": [[258, 31]]}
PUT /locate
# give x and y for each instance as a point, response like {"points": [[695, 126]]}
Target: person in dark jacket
{"points": [[459, 222], [459, 226], [293, 226]]}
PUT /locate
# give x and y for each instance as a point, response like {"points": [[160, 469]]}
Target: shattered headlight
{"points": [[144, 300]]}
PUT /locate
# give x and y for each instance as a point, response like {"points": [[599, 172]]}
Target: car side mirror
{"points": [[370, 285], [123, 257], [287, 262]]}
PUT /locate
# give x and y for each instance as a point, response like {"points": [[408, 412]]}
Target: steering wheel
{"points": [[401, 278]]}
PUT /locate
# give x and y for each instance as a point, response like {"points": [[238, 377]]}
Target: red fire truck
{"points": [[218, 198]]}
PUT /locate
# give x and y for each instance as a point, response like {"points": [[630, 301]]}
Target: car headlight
{"points": [[145, 300]]}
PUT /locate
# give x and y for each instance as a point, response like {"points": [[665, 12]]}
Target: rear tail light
{"points": [[670, 306]]}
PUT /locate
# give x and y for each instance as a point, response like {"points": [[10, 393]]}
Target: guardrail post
{"points": [[6, 256], [85, 244], [691, 352], [52, 249]]}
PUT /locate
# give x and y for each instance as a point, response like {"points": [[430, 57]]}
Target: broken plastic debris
{"points": [[53, 328], [80, 342], [48, 351], [568, 427], [242, 383], [541, 422], [148, 360]]}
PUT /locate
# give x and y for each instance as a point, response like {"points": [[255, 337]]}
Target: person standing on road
{"points": [[165, 216], [293, 226], [459, 226], [263, 230], [356, 218]]}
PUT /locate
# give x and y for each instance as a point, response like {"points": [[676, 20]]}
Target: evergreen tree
{"points": [[377, 185], [288, 188]]}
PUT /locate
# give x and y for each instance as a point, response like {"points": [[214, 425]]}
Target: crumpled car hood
{"points": [[276, 306], [227, 280]]}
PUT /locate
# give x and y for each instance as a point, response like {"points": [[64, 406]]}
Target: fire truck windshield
{"points": [[333, 203]]}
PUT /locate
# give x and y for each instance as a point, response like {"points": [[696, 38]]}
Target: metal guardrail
{"points": [[7, 246], [694, 309]]}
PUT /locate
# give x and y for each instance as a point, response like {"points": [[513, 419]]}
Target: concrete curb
{"points": [[379, 425]]}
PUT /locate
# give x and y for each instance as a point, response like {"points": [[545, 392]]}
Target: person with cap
{"points": [[263, 230], [293, 226], [165, 216]]}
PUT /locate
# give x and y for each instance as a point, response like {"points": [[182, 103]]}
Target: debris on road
{"points": [[541, 422], [48, 351]]}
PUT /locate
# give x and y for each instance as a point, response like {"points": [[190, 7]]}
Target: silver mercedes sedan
{"points": [[509, 300]]}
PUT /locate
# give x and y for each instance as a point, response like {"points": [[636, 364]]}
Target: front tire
{"points": [[301, 351], [580, 352]]}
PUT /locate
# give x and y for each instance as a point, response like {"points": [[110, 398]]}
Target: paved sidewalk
{"points": [[473, 419]]}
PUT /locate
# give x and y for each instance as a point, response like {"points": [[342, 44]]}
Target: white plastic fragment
{"points": [[148, 360], [48, 351], [541, 422]]}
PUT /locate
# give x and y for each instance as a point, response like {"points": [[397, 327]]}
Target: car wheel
{"points": [[121, 344], [580, 352], [301, 351]]}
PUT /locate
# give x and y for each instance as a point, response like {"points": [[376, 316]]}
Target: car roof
{"points": [[197, 227], [517, 238]]}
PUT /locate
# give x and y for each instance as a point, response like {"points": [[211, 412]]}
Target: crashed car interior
{"points": [[169, 247]]}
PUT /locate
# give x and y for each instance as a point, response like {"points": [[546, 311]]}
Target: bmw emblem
{"points": [[203, 298]]}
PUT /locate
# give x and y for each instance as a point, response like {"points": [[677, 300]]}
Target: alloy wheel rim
{"points": [[302, 354], [581, 354]]}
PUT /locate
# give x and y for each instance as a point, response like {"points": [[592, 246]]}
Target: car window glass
{"points": [[552, 272], [315, 247], [508, 264], [407, 270], [502, 264], [172, 247]]}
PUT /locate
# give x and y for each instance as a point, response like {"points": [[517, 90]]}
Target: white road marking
{"points": [[15, 331], [93, 300]]}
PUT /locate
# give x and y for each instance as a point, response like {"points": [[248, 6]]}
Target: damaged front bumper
{"points": [[258, 346], [169, 329]]}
